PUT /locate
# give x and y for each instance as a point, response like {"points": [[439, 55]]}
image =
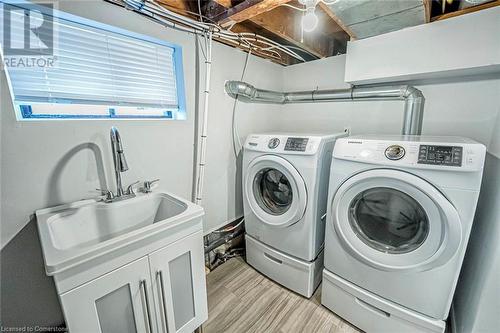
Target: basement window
{"points": [[95, 71]]}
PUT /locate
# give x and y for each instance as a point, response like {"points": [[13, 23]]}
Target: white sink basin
{"points": [[74, 233]]}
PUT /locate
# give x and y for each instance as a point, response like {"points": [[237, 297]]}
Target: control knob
{"points": [[395, 152], [273, 143]]}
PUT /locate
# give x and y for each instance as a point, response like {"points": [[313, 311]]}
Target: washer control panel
{"points": [[296, 144], [440, 155]]}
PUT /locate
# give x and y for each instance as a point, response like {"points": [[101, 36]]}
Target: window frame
{"points": [[23, 110]]}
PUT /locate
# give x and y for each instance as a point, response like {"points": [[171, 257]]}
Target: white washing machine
{"points": [[400, 210], [285, 186]]}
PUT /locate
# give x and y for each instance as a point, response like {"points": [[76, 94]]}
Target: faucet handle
{"points": [[130, 188], [148, 185], [107, 195]]}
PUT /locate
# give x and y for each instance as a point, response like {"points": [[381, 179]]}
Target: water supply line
{"points": [[413, 98]]}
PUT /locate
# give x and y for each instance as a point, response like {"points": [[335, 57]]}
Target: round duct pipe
{"points": [[413, 98]]}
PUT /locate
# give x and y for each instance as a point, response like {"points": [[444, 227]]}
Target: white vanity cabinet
{"points": [[179, 285], [162, 292]]}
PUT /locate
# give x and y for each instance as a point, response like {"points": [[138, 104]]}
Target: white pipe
{"points": [[200, 174]]}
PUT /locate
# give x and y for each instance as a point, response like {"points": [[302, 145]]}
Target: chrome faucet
{"points": [[121, 165], [118, 158]]}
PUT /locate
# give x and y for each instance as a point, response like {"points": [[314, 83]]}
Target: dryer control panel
{"points": [[440, 155], [290, 144], [296, 144], [421, 152]]}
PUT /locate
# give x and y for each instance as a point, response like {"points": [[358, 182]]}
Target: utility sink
{"points": [[85, 230]]}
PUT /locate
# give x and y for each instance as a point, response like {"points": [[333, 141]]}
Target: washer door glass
{"points": [[388, 220], [272, 191], [394, 220]]}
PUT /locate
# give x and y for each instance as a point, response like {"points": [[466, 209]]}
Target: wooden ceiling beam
{"points": [[245, 10], [427, 10], [248, 26], [328, 11], [269, 18], [174, 4], [180, 7], [466, 10], [284, 22], [280, 22]]}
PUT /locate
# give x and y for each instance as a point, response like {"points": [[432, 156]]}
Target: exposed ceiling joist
{"points": [[286, 23], [367, 18], [467, 10], [178, 6], [427, 10], [337, 20], [282, 22], [246, 10], [283, 58]]}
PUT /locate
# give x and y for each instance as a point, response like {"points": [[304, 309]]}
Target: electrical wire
{"points": [[179, 22], [294, 48], [199, 10], [293, 7], [235, 135], [231, 228]]}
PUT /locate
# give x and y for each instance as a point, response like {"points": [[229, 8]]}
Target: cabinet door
{"points": [[118, 302], [179, 284]]}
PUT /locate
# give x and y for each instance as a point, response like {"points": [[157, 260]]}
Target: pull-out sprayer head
{"points": [[122, 162], [118, 154]]}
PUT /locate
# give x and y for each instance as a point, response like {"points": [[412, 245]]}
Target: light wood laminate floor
{"points": [[240, 300]]}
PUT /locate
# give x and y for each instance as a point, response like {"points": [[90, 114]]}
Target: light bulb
{"points": [[309, 20]]}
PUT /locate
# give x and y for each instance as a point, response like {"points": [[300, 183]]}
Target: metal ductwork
{"points": [[413, 98]]}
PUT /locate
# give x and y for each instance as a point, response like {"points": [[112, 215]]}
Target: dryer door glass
{"points": [[272, 191], [388, 220]]}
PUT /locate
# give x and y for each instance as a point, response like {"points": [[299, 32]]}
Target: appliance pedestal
{"points": [[302, 277], [370, 312]]}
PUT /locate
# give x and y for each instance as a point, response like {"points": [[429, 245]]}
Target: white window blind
{"points": [[99, 67]]}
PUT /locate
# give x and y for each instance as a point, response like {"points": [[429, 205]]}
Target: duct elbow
{"points": [[410, 92], [238, 88], [414, 110], [247, 93]]}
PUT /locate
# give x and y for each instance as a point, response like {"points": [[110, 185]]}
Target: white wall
{"points": [[46, 163], [222, 198], [476, 303], [466, 108]]}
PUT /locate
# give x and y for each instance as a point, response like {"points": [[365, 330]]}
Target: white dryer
{"points": [[400, 211], [285, 185]]}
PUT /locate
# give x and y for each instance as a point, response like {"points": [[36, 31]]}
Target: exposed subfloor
{"points": [[240, 300]]}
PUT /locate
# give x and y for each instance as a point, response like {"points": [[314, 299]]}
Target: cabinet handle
{"points": [[148, 314], [159, 275]]}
